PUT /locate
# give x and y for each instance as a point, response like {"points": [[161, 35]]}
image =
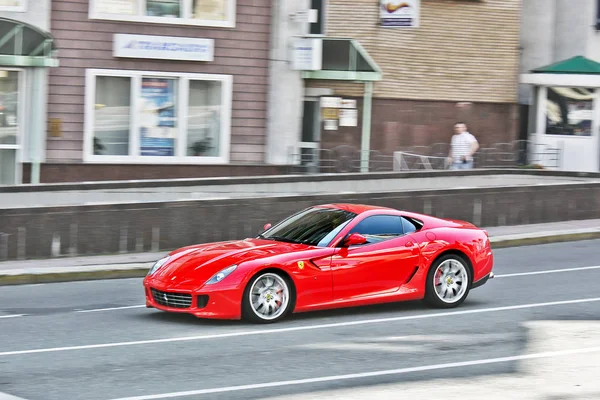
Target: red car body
{"points": [[323, 277]]}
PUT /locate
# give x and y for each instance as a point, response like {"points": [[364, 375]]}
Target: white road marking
{"points": [[302, 328], [12, 316], [366, 374], [549, 271], [109, 309]]}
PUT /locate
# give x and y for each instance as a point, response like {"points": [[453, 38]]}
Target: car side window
{"points": [[408, 226], [378, 228]]}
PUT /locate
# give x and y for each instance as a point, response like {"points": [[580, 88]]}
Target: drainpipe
{"points": [[36, 124], [366, 127]]}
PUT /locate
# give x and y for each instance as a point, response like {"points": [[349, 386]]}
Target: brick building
{"points": [[461, 51]]}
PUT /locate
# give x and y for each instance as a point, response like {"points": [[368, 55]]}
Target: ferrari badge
{"points": [[301, 264]]}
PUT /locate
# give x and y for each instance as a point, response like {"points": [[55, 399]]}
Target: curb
{"points": [[137, 270], [501, 242]]}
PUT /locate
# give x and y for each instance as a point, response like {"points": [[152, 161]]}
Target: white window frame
{"points": [[184, 20], [21, 107], [21, 8], [180, 156]]}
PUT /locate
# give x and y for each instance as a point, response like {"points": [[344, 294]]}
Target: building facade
{"points": [[439, 62], [27, 51], [560, 82], [157, 89], [172, 89]]}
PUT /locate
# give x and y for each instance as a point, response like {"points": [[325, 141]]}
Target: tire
{"points": [[260, 305], [445, 295]]}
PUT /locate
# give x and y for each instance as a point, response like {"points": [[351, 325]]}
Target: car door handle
{"points": [[409, 244]]}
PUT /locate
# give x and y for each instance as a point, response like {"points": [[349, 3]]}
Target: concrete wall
{"points": [[103, 229], [286, 86], [554, 30]]}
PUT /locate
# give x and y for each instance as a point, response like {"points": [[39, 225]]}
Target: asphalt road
{"points": [[95, 341]]}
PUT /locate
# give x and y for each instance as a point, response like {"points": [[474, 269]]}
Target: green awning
{"points": [[24, 45], [345, 59], [575, 65]]}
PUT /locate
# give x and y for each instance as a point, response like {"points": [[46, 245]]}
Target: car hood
{"points": [[196, 264]]}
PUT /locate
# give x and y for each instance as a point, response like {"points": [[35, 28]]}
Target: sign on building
{"points": [[399, 13], [307, 54], [163, 47]]}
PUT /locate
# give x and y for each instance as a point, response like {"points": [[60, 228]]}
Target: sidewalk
{"points": [[137, 265]]}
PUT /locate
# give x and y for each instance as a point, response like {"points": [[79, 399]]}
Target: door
{"points": [[380, 266], [308, 148], [9, 126]]}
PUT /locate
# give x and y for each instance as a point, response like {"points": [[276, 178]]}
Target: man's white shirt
{"points": [[461, 146]]}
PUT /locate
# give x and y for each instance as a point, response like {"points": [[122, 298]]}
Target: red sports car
{"points": [[327, 256]]}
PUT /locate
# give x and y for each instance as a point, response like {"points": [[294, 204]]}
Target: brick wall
{"points": [[464, 50], [242, 51], [397, 123]]}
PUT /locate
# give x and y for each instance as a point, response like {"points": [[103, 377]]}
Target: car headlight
{"points": [[219, 276], [158, 264]]}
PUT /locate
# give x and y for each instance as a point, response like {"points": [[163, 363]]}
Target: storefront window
{"points": [[137, 117], [158, 119], [8, 165], [112, 116], [569, 111], [204, 118], [9, 91], [193, 12]]}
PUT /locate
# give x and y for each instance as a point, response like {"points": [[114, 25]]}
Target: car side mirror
{"points": [[267, 226], [354, 239]]}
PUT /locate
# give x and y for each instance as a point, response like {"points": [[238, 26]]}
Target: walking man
{"points": [[462, 148]]}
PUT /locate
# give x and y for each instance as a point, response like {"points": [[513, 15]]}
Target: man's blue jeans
{"points": [[461, 165]]}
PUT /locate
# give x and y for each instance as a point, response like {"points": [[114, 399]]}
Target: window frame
{"points": [[22, 106], [180, 156], [184, 20], [20, 8]]}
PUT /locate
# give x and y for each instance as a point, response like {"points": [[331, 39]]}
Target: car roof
{"points": [[354, 208]]}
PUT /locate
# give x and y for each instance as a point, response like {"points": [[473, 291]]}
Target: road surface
{"points": [[533, 325]]}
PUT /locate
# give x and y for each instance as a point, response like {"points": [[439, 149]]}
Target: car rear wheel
{"points": [[448, 282], [268, 298]]}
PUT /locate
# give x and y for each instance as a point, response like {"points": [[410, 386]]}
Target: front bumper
{"points": [[218, 303]]}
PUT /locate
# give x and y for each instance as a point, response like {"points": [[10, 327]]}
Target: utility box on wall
{"points": [[307, 54]]}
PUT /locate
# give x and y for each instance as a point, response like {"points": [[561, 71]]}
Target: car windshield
{"points": [[314, 226]]}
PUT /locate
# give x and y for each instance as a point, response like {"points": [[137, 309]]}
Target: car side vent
{"points": [[413, 274]]}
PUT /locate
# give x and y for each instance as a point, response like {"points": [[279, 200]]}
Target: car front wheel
{"points": [[268, 298], [448, 282]]}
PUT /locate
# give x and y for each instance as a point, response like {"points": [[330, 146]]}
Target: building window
{"points": [[569, 111], [10, 110], [318, 28], [13, 5], [140, 117], [217, 13]]}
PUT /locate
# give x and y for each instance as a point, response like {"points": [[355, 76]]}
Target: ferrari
{"points": [[324, 257]]}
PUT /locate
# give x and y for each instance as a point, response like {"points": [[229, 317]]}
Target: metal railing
{"points": [[345, 158]]}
